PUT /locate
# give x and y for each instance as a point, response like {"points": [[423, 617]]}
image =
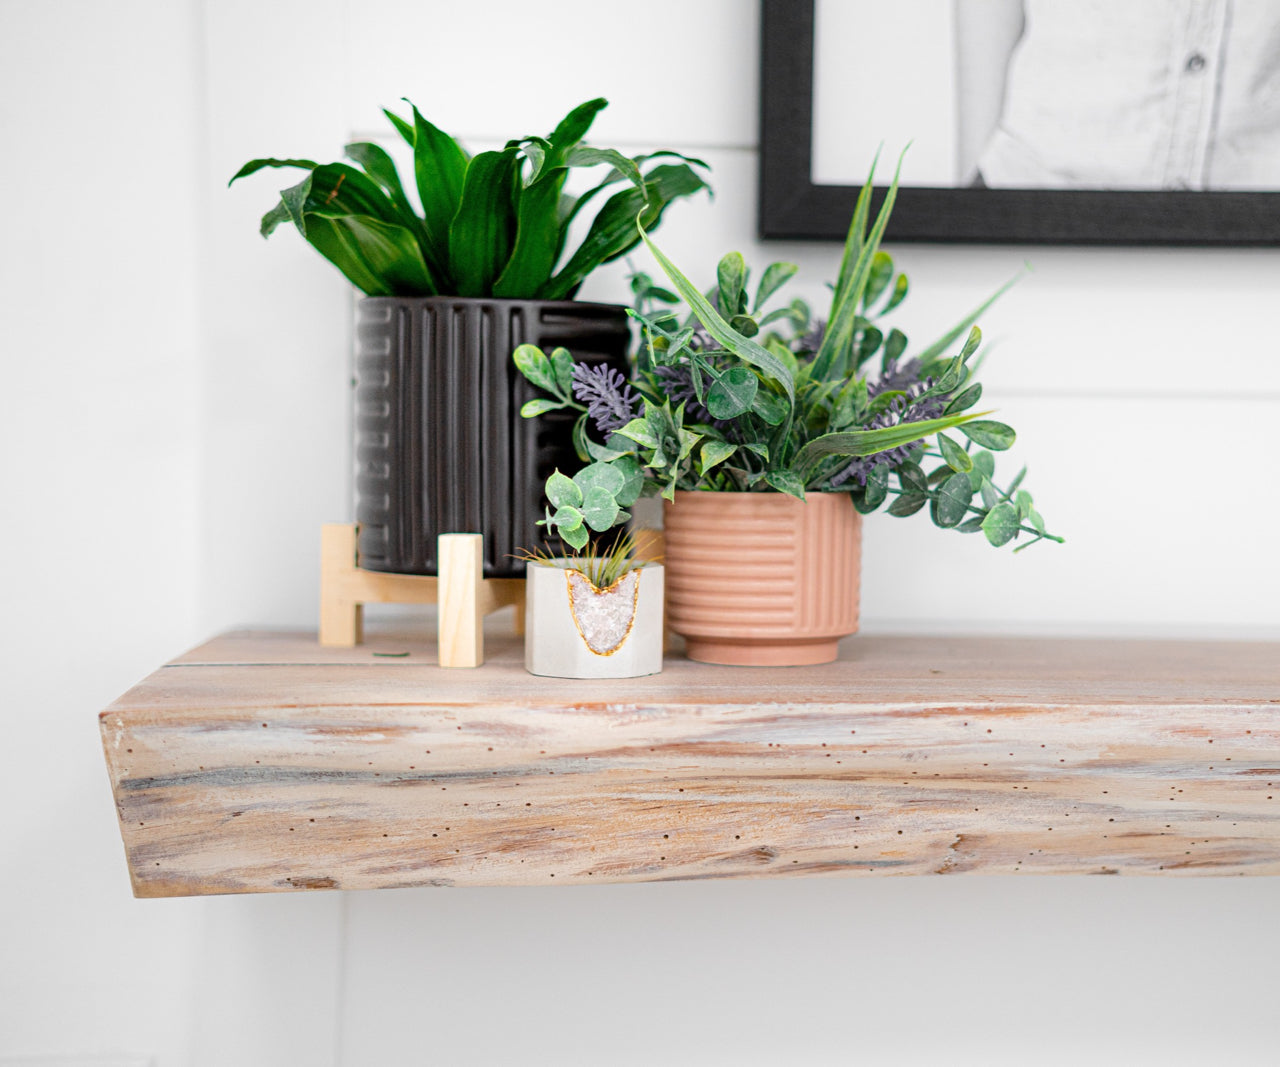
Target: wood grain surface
{"points": [[263, 762]]}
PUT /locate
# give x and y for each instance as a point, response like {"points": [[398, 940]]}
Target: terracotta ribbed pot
{"points": [[762, 579]]}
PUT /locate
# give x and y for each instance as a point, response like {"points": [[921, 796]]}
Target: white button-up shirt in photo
{"points": [[1145, 94]]}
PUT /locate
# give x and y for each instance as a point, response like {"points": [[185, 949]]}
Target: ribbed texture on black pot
{"points": [[440, 444]]}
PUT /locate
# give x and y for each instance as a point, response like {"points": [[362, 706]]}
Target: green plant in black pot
{"points": [[479, 265], [493, 224]]}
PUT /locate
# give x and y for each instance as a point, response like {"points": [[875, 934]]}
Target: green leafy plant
{"points": [[494, 224], [719, 401]]}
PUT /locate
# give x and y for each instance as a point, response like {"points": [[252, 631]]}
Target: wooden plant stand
{"points": [[462, 592]]}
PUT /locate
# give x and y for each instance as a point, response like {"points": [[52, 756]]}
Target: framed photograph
{"points": [[1030, 121]]}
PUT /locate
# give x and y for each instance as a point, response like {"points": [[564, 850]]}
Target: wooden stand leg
{"points": [[461, 576], [341, 616]]}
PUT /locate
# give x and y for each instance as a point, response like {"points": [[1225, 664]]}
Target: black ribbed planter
{"points": [[440, 444]]}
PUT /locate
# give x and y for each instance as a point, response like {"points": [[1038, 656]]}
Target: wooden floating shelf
{"points": [[263, 762]]}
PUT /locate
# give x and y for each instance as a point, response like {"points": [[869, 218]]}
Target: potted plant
{"points": [[480, 265], [768, 444], [596, 610]]}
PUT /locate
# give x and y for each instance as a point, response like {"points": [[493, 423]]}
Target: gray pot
{"points": [[440, 444]]}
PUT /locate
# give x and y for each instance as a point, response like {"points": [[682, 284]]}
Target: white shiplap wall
{"points": [[206, 419]]}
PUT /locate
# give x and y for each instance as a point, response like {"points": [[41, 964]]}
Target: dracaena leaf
{"points": [[574, 126], [537, 237], [380, 259], [255, 165], [613, 231], [480, 232], [439, 169]]}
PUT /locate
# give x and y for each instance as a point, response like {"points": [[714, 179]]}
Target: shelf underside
{"points": [[262, 762]]}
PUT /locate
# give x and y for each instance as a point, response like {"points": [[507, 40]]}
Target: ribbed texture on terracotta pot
{"points": [[440, 444], [762, 579]]}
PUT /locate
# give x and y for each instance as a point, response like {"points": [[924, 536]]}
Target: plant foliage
{"points": [[494, 224], [731, 395]]}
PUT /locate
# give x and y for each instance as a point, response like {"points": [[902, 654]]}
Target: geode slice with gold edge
{"points": [[604, 617]]}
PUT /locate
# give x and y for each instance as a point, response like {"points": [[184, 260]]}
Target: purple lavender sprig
{"points": [[610, 400], [912, 407]]}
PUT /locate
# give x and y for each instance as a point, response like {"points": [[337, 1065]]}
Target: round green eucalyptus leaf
{"points": [[575, 537], [952, 502], [1001, 524], [599, 509], [632, 480], [599, 475], [732, 393], [566, 518], [907, 504], [989, 434], [562, 491]]}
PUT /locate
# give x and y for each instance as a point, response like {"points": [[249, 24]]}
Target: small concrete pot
{"points": [[573, 630]]}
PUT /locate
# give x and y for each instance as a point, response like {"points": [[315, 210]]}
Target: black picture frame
{"points": [[791, 206]]}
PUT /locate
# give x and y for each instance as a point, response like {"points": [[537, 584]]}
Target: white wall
{"points": [[175, 429]]}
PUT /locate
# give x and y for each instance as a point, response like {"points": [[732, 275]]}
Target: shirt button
{"points": [[1195, 63]]}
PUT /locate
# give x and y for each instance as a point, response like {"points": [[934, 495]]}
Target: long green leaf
{"points": [[337, 189], [832, 358], [574, 126], [405, 129], [586, 156], [571, 208], [439, 168], [537, 237], [379, 258], [255, 165], [869, 442], [939, 347], [480, 235], [857, 230], [350, 222], [742, 347], [613, 231], [374, 160]]}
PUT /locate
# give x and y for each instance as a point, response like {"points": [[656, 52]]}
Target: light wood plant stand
{"points": [[461, 591]]}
